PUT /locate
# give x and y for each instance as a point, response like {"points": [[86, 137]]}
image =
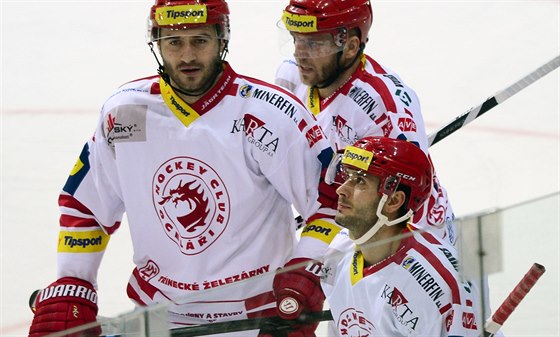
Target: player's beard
{"points": [[359, 221], [198, 83], [318, 75]]}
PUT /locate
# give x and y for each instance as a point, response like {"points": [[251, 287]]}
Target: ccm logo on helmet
{"points": [[406, 176]]}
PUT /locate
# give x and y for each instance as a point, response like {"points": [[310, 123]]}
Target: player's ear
{"points": [[394, 202], [352, 47]]}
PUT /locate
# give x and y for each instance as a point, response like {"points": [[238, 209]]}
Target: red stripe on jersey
{"points": [[384, 92], [259, 300], [302, 125], [376, 66], [146, 287], [445, 308], [133, 295], [66, 200], [442, 271], [430, 238], [112, 229], [77, 222]]}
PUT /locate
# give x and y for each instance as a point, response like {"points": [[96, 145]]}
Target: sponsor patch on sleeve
{"points": [[82, 242], [322, 230]]}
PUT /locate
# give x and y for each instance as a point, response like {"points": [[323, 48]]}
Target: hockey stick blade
{"points": [[274, 326], [501, 96], [514, 298]]}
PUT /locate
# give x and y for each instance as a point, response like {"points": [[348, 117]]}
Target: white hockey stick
{"points": [[491, 102], [514, 298]]}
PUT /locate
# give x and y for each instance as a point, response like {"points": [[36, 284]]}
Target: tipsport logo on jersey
{"points": [[192, 203]]}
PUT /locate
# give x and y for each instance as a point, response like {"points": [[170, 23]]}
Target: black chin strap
{"points": [[339, 69], [165, 76]]}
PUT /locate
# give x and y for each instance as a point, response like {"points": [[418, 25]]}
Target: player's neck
{"points": [[339, 82], [374, 252]]}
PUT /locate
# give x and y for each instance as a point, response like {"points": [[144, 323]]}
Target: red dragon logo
{"points": [[197, 205], [191, 202]]}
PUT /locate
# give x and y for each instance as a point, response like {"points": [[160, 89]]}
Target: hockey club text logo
{"points": [[353, 323], [399, 304], [257, 133], [191, 202], [364, 101]]}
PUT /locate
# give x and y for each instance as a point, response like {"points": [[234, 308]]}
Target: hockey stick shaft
{"points": [[514, 298], [491, 102], [268, 325]]}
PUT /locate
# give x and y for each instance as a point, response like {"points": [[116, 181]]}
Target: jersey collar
{"points": [[188, 113], [315, 103]]}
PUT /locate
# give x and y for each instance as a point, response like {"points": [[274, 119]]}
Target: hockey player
{"points": [[351, 94], [394, 280], [206, 163]]}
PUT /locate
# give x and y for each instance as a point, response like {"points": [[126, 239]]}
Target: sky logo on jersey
{"points": [[299, 23], [126, 123], [79, 171], [191, 202], [82, 242], [182, 14]]}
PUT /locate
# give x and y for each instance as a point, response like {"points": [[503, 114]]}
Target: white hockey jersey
{"points": [[415, 292], [374, 101], [208, 190]]}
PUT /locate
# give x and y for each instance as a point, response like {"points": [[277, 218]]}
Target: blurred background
{"points": [[61, 59]]}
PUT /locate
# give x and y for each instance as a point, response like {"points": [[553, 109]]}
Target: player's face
{"points": [[191, 57], [316, 57], [357, 202]]}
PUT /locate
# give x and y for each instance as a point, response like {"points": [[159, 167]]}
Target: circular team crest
{"points": [[353, 323], [191, 202]]}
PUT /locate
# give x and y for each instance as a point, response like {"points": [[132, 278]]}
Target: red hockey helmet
{"points": [[182, 14], [309, 16], [395, 162]]}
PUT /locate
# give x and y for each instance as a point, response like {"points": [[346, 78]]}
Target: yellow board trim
{"points": [[180, 15], [354, 156], [180, 108], [82, 242], [321, 230]]}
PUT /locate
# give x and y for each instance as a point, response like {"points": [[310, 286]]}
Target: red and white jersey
{"points": [[415, 292], [374, 101], [208, 189]]}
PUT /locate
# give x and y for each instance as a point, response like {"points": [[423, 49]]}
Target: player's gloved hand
{"points": [[297, 289], [66, 303]]}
